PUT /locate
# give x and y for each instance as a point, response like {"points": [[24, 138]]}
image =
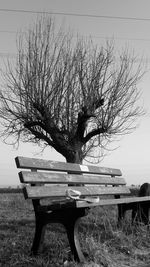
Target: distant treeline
{"points": [[10, 190]]}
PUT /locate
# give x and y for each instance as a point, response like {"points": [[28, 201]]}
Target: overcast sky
{"points": [[128, 23]]}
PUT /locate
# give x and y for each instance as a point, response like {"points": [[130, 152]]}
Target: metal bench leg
{"points": [[73, 237], [121, 213], [70, 219], [140, 213], [38, 236], [144, 213], [137, 213]]}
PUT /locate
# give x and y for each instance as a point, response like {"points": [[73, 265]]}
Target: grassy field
{"points": [[102, 241]]}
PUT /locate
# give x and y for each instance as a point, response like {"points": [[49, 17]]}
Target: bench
{"points": [[72, 189]]}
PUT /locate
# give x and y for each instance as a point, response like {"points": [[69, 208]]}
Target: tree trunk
{"points": [[75, 157]]}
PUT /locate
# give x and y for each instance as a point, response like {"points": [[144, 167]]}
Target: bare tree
{"points": [[68, 93]]}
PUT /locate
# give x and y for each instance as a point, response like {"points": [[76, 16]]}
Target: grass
{"points": [[105, 244]]}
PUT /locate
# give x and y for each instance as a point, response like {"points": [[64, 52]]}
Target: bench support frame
{"points": [[67, 211], [69, 218], [140, 212]]}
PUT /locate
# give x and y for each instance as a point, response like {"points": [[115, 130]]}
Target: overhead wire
{"points": [[96, 37], [79, 15], [74, 14]]}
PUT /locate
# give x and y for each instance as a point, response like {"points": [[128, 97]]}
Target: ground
{"points": [[104, 244]]}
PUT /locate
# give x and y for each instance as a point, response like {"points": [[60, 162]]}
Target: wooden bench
{"points": [[71, 189]]}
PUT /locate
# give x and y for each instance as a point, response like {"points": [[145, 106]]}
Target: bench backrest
{"points": [[58, 175]]}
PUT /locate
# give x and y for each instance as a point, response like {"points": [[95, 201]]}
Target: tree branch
{"points": [[83, 117], [92, 134]]}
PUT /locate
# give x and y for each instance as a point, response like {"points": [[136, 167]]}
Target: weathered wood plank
{"points": [[36, 192], [104, 202], [32, 163], [62, 178], [84, 204]]}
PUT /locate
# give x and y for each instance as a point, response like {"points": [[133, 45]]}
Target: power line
{"points": [[96, 37], [13, 55], [120, 38], [80, 15], [7, 31], [75, 14]]}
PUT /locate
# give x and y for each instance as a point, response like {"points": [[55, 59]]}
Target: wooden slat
{"points": [[36, 192], [83, 204], [32, 163], [62, 178], [104, 202]]}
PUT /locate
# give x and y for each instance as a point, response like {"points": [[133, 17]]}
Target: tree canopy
{"points": [[68, 93]]}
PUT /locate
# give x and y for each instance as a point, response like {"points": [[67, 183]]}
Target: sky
{"points": [[128, 23]]}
